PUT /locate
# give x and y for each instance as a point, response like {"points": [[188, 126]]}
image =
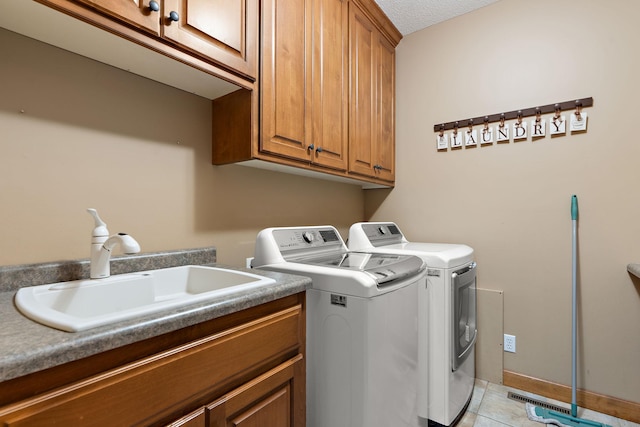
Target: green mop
{"points": [[546, 415]]}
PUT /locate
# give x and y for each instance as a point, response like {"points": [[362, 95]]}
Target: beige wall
{"points": [[511, 201], [139, 152]]}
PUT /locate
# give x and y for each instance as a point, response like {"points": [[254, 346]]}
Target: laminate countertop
{"points": [[27, 347]]}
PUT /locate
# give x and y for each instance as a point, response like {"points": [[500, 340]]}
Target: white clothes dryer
{"points": [[362, 326], [447, 341]]}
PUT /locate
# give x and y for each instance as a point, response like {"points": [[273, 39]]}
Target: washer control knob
{"points": [[382, 230], [307, 236]]}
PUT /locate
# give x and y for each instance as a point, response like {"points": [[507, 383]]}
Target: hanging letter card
{"points": [[578, 122], [502, 133], [519, 131], [456, 140], [558, 125], [486, 136], [471, 137], [442, 141], [538, 128]]}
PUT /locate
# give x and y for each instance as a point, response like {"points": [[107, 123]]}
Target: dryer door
{"points": [[463, 328]]}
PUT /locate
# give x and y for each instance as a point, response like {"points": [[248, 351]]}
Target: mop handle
{"points": [[574, 268]]}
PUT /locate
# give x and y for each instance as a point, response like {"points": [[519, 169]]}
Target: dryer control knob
{"points": [[382, 230], [307, 236]]}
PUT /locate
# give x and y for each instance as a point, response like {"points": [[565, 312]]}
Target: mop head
{"points": [[533, 416], [541, 415]]}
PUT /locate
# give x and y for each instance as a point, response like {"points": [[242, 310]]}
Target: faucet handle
{"points": [[100, 231]]}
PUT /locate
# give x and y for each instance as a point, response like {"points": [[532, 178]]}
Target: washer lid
{"points": [[436, 255], [387, 237], [385, 268]]}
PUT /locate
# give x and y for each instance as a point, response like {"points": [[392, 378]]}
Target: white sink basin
{"points": [[84, 304]]}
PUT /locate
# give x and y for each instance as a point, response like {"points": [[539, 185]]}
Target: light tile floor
{"points": [[490, 407]]}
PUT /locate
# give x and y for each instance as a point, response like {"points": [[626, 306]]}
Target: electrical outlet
{"points": [[510, 343]]}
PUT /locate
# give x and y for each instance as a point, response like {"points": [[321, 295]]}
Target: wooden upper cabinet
{"points": [[222, 30], [384, 148], [372, 115], [284, 79], [330, 82], [137, 13], [363, 91], [326, 92], [305, 81]]}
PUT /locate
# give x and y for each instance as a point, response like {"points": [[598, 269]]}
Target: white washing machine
{"points": [[362, 326], [447, 343]]}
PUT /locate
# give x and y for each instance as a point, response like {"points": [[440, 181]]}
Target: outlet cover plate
{"points": [[510, 343]]}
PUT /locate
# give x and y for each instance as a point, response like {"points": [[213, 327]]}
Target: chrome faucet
{"points": [[102, 245]]}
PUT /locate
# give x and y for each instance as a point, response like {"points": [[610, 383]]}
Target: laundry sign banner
{"points": [[515, 130]]}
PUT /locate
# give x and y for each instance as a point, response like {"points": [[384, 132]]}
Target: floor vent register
{"points": [[524, 399]]}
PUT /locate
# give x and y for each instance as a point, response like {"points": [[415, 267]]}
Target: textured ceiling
{"points": [[413, 15]]}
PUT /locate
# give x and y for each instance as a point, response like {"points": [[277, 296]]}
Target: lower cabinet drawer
{"points": [[152, 389]]}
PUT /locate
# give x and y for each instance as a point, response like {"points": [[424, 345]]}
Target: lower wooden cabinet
{"points": [[265, 401], [251, 373], [197, 418]]}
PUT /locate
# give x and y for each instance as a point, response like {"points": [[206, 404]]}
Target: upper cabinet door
{"points": [[330, 83], [384, 148], [284, 79], [304, 81], [363, 91], [372, 117], [138, 13], [222, 30]]}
